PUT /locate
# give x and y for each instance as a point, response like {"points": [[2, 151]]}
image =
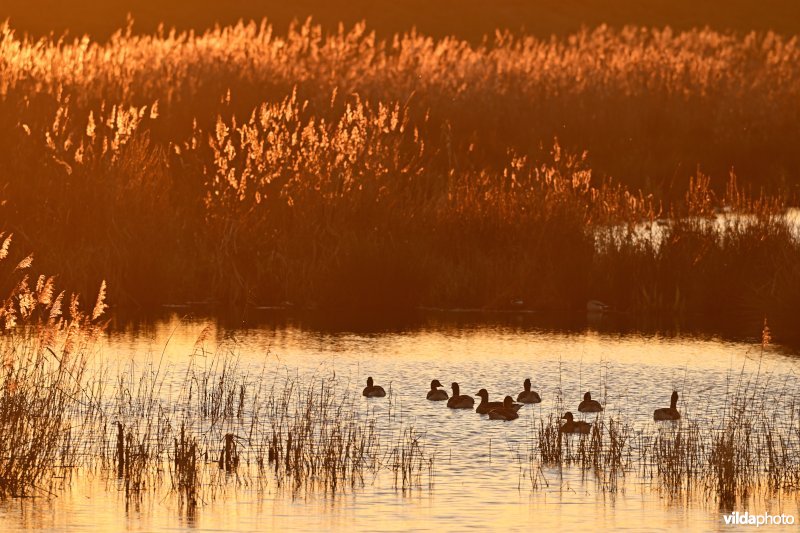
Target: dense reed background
{"points": [[343, 170], [469, 19]]}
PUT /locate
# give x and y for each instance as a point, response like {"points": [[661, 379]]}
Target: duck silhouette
{"points": [[459, 401], [507, 412], [668, 413], [573, 426], [527, 395], [436, 394], [485, 406], [372, 390], [588, 405]]}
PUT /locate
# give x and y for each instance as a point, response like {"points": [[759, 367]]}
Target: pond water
{"points": [[655, 231], [481, 477]]}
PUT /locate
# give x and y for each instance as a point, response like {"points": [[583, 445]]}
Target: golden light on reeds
{"points": [[341, 170]]}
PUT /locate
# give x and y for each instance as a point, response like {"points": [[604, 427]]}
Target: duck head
{"points": [[673, 401], [587, 397], [568, 415], [455, 389], [484, 395], [527, 384], [369, 381], [435, 383], [508, 402]]}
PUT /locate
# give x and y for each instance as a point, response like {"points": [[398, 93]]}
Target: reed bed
{"points": [[295, 438], [751, 448], [728, 461], [611, 91], [45, 343], [242, 167], [228, 426], [145, 427]]}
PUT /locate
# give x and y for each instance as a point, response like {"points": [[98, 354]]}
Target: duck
{"points": [[507, 412], [572, 426], [372, 390], [668, 413], [485, 406], [527, 395], [435, 394], [588, 405], [460, 401]]}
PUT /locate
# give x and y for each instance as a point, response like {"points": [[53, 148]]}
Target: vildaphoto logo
{"points": [[747, 519]]}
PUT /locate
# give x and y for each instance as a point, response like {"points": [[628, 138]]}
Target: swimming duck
{"points": [[507, 412], [528, 396], [572, 426], [588, 405], [485, 406], [460, 401], [668, 413], [373, 391], [435, 394]]}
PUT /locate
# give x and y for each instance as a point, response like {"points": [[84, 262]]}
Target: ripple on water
{"points": [[480, 465]]}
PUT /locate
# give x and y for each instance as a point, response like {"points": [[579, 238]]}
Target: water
{"points": [[655, 232], [478, 481]]}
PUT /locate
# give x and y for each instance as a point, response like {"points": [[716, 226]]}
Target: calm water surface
{"points": [[478, 482]]}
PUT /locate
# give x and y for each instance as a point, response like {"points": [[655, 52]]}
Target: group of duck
{"points": [[507, 409]]}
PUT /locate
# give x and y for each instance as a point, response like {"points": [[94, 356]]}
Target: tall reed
{"points": [[337, 169]]}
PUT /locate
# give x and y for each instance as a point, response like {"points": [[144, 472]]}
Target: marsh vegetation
{"points": [[340, 170], [381, 171]]}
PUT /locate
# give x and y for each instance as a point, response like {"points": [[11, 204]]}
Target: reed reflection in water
{"points": [[472, 472]]}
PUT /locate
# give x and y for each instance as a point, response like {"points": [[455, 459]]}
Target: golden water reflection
{"points": [[478, 481]]}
